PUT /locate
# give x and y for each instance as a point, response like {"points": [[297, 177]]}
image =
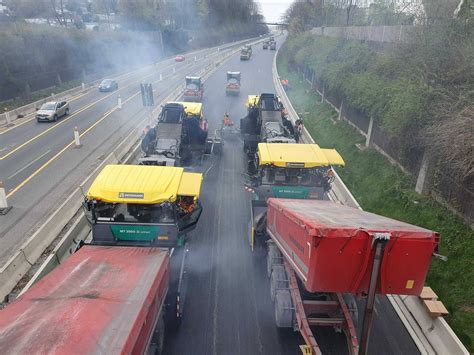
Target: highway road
{"points": [[228, 308], [38, 162]]}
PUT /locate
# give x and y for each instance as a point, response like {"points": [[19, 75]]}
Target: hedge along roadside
{"points": [[17, 266], [431, 336]]}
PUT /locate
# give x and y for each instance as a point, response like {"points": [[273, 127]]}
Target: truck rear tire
{"points": [[158, 340], [283, 309], [273, 258], [278, 280]]}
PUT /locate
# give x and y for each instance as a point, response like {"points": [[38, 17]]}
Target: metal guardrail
{"points": [[126, 152], [431, 335]]}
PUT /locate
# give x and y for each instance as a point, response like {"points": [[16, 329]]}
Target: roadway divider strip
{"points": [[431, 335]]}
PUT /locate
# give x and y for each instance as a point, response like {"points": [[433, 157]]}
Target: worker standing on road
{"points": [[284, 83], [227, 121]]}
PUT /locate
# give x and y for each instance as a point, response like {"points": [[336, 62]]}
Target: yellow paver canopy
{"points": [[143, 184], [297, 155]]}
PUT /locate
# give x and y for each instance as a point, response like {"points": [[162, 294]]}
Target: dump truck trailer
{"points": [[100, 300], [321, 254]]}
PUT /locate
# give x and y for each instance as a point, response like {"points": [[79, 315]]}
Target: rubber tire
{"points": [[158, 339], [66, 112], [273, 256], [283, 309], [276, 283], [55, 119]]}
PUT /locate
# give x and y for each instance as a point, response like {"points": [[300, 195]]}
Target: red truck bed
{"points": [[100, 300], [330, 247]]}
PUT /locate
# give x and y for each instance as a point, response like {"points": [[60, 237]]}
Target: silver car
{"points": [[51, 111]]}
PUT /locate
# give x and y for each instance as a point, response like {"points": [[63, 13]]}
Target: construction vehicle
{"points": [[179, 138], [322, 254], [194, 90], [273, 46], [233, 83], [302, 171], [249, 48], [245, 53], [266, 121], [126, 286]]}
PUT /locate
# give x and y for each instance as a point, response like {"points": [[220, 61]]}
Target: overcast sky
{"points": [[273, 9]]}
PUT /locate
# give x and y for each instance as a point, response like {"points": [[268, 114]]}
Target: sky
{"points": [[273, 9]]}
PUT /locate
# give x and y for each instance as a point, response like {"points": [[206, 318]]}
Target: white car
{"points": [[51, 111]]}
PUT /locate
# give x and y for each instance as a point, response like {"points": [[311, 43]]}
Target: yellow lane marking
{"points": [[28, 179], [34, 115], [28, 165]]}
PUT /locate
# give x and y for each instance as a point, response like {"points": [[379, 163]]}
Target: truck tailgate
{"points": [[330, 247], [100, 300]]}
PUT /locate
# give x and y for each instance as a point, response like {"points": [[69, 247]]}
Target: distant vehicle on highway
{"points": [[179, 58], [273, 46], [108, 85], [265, 45], [51, 111]]}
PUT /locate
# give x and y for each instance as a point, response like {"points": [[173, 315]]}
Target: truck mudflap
{"points": [[258, 222], [176, 297]]}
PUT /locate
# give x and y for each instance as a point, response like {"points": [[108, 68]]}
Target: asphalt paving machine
{"points": [[266, 121], [180, 137]]}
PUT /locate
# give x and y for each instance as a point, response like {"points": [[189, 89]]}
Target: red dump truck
{"points": [[321, 254], [101, 299]]}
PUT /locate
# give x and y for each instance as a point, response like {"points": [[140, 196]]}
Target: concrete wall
{"points": [[385, 34]]}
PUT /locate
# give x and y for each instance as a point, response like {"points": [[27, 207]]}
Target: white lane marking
{"points": [[28, 165]]}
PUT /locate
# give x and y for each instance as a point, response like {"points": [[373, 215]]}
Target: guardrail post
{"points": [[119, 102], [323, 93], [339, 117], [3, 200], [422, 179], [174, 70], [53, 96], [83, 86], [77, 138], [161, 76], [368, 139], [195, 59]]}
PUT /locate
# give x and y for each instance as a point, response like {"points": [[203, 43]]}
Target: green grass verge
{"points": [[384, 189], [37, 95]]}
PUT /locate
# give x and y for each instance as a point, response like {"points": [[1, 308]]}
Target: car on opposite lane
{"points": [[108, 85], [179, 58], [51, 111]]}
